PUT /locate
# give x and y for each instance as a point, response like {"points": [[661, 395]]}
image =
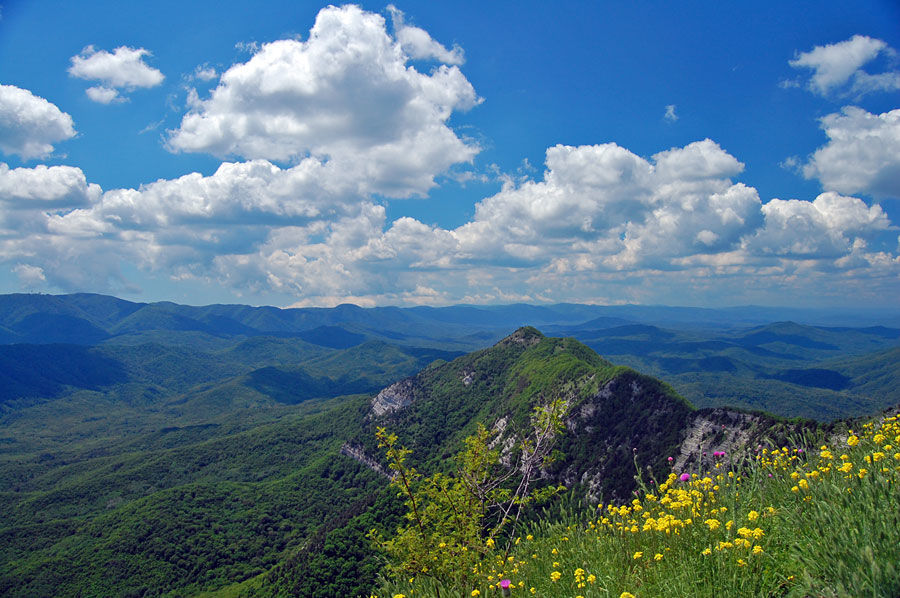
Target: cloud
{"points": [[840, 65], [103, 95], [602, 223], [419, 45], [30, 125], [602, 206], [30, 276], [345, 97], [204, 72], [123, 69], [824, 228], [46, 187], [862, 154], [670, 113]]}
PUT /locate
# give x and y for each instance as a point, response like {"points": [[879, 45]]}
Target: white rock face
{"points": [[396, 396]]}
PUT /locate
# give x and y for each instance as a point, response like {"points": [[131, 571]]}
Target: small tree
{"points": [[455, 522]]}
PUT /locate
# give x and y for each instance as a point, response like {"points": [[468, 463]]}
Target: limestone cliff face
{"points": [[394, 397]]}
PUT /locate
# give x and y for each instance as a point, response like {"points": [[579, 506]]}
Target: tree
{"points": [[456, 522]]}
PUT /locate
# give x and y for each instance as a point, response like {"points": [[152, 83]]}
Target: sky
{"points": [[423, 153]]}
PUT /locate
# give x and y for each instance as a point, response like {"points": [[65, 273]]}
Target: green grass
{"points": [[790, 521]]}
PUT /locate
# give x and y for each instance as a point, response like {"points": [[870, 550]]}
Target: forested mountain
{"points": [[160, 449], [734, 356], [180, 508]]}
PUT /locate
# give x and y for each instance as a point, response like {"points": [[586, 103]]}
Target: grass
{"points": [[799, 521]]}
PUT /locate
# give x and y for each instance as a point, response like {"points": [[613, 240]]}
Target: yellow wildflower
{"points": [[555, 576], [637, 555]]}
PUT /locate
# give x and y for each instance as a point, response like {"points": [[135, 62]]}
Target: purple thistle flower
{"points": [[685, 477]]}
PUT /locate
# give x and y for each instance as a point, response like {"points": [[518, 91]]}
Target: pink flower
{"points": [[719, 454], [670, 459], [685, 477], [504, 583]]}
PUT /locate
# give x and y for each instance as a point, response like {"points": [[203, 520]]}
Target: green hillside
{"points": [[200, 457]]}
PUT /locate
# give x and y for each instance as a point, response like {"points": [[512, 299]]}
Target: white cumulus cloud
{"points": [[862, 154], [602, 206], [418, 44], [837, 65], [45, 186], [29, 124], [346, 97], [123, 69], [824, 228]]}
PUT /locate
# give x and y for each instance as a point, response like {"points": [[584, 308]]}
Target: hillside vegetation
{"points": [[797, 520], [166, 450]]}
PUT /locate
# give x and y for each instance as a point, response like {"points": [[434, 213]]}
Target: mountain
{"points": [[615, 418], [198, 492], [750, 357]]}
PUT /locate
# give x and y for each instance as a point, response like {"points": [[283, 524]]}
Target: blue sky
{"points": [[292, 153]]}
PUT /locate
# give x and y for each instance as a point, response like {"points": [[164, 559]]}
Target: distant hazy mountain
{"points": [[713, 357]]}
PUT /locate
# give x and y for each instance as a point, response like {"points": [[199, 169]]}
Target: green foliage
{"points": [[455, 523]]}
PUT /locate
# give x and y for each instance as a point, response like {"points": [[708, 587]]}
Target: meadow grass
{"points": [[786, 521]]}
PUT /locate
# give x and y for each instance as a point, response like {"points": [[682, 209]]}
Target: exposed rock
{"points": [[394, 397], [718, 430], [358, 453]]}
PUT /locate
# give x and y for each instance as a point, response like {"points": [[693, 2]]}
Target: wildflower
{"points": [[852, 440], [685, 477], [555, 576], [706, 551], [752, 516], [741, 562], [637, 555], [591, 578], [626, 595], [657, 557], [757, 549], [476, 593], [504, 584]]}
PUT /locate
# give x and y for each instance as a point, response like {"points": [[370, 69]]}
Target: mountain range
{"points": [[160, 449]]}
